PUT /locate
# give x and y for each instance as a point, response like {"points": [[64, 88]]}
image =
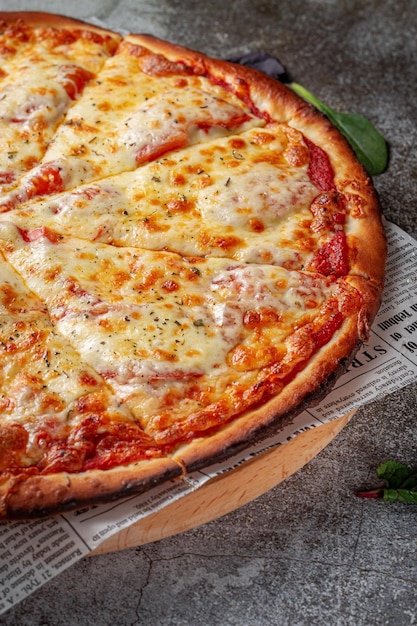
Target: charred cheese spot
{"points": [[179, 205], [244, 358], [223, 242], [296, 155], [237, 143], [177, 179], [120, 278], [151, 223], [170, 285], [88, 380], [256, 225], [181, 83], [149, 278], [259, 318], [262, 138]]}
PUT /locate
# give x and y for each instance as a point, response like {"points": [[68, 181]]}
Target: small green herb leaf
{"points": [[400, 495], [393, 473], [368, 144], [400, 483]]}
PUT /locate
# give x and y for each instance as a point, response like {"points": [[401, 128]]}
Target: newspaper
{"points": [[31, 553]]}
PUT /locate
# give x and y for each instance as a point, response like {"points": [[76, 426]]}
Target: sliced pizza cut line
{"points": [[333, 164], [171, 67], [242, 196], [46, 389]]}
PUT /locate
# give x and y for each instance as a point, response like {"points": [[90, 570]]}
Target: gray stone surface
{"points": [[309, 552]]}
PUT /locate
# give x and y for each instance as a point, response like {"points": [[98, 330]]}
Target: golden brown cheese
{"points": [[240, 197]]}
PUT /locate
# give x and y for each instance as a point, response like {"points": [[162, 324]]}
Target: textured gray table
{"points": [[309, 551]]}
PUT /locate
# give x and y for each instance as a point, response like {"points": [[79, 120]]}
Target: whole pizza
{"points": [[190, 255]]}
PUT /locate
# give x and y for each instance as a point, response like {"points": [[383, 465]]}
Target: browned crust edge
{"points": [[54, 20], [23, 497]]}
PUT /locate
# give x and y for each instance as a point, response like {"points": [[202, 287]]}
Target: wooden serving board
{"points": [[229, 491]]}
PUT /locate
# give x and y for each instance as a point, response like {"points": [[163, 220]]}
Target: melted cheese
{"points": [[235, 197], [164, 271], [115, 128], [175, 119], [42, 379], [38, 86], [151, 322]]}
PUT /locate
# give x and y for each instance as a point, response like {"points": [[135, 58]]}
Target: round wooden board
{"points": [[227, 492]]}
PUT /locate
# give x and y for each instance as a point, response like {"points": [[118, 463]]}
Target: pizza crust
{"points": [[52, 20], [23, 497]]}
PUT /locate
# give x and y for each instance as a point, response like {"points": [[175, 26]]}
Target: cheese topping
{"points": [[154, 321], [129, 117], [40, 81], [41, 377], [236, 197], [178, 118], [27, 105], [172, 256]]}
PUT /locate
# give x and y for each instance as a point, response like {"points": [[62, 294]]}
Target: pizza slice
{"points": [[45, 65], [240, 196], [140, 107], [65, 439], [206, 352], [250, 197]]}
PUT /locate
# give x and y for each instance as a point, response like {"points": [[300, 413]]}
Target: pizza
{"points": [[190, 256]]}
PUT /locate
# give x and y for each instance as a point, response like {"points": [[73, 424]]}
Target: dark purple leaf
{"points": [[264, 63]]}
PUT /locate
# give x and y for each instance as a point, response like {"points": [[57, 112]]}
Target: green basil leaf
{"points": [[400, 483], [368, 144], [393, 473], [400, 495], [410, 482]]}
